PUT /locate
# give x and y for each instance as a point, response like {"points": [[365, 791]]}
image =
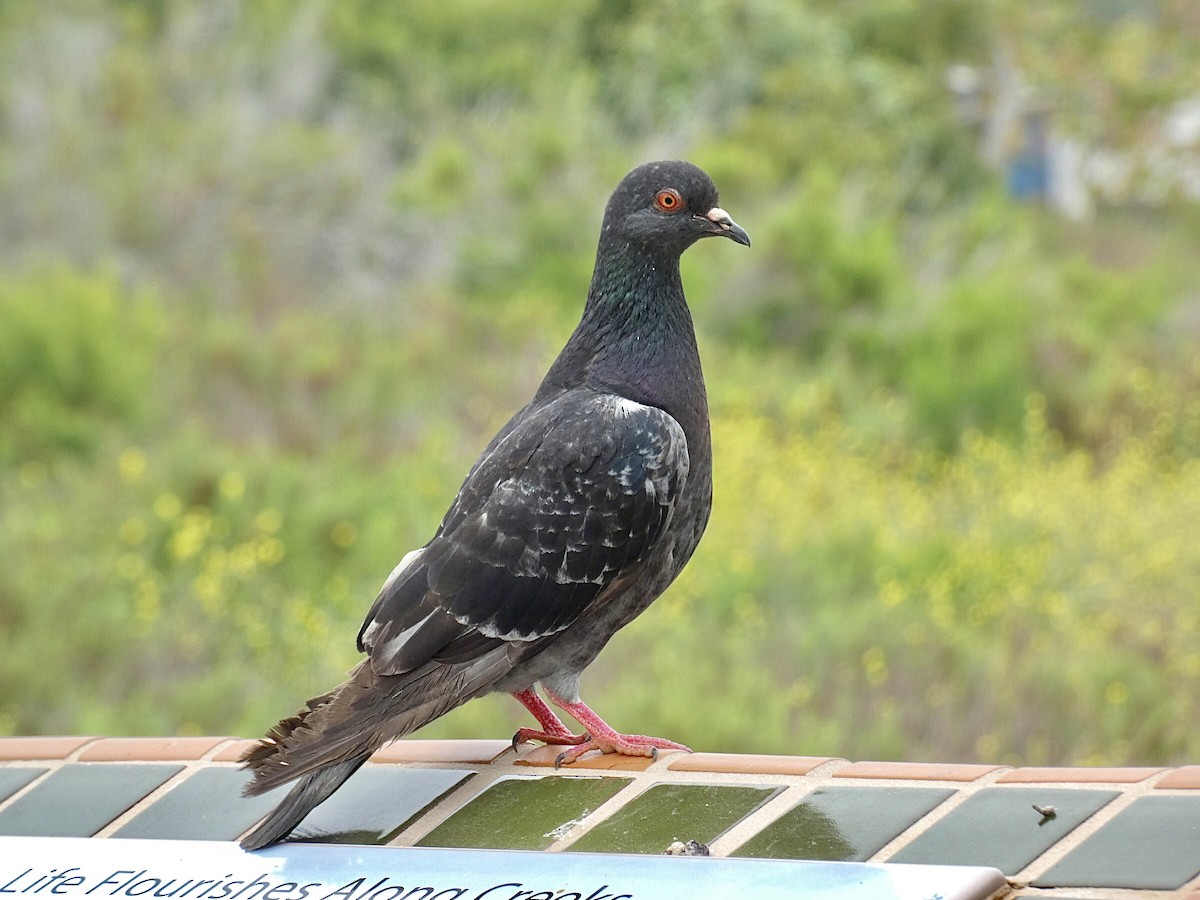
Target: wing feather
{"points": [[564, 502]]}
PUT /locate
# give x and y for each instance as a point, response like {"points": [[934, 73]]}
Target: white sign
{"points": [[114, 869]]}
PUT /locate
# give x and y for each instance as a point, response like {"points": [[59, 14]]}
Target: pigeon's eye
{"points": [[668, 200]]}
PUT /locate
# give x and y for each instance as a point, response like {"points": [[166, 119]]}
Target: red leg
{"points": [[553, 730], [603, 737]]}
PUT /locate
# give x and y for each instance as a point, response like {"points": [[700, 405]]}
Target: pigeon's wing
{"points": [[554, 517]]}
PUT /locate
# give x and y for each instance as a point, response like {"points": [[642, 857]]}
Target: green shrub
{"points": [[75, 355], [195, 585], [955, 436], [973, 365], [830, 266], [1015, 602]]}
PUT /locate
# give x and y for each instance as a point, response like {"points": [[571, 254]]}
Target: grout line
{"points": [[459, 796], [51, 766], [826, 771], [1127, 794], [1193, 887], [189, 766], [992, 777], [217, 748], [963, 791], [788, 785], [603, 812], [663, 760], [74, 755], [923, 824], [741, 831], [504, 766], [798, 787]]}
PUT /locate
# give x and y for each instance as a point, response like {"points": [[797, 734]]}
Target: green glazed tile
{"points": [[999, 827], [12, 780], [666, 813], [523, 812], [376, 804], [1153, 844], [207, 806], [81, 798], [847, 824]]}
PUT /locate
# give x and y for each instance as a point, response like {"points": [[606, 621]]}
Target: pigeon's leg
{"points": [[603, 737], [553, 730]]}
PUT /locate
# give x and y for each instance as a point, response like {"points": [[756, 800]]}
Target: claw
{"points": [[584, 744]]}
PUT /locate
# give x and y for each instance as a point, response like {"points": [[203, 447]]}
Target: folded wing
{"points": [[555, 516]]}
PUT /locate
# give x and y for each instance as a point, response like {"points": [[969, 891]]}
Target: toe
{"points": [[524, 735]]}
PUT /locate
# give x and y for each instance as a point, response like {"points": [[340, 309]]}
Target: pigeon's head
{"points": [[668, 205]]}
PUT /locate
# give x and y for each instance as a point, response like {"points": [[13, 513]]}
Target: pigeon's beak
{"points": [[717, 221]]}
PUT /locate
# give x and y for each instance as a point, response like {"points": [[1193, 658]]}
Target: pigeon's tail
{"points": [[326, 742], [300, 801]]}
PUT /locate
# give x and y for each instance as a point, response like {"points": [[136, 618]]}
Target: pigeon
{"points": [[579, 513]]}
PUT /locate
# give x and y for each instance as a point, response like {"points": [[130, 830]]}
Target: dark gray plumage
{"points": [[577, 515]]}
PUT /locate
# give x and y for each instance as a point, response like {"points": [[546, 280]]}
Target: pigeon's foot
{"points": [[624, 744], [598, 736], [603, 737]]}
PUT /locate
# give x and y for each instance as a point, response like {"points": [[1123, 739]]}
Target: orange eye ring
{"points": [[668, 200]]}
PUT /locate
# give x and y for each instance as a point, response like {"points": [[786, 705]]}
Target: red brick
{"points": [[915, 771]]}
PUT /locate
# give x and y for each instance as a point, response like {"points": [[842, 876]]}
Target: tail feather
{"points": [[301, 800], [259, 758], [327, 741], [355, 719]]}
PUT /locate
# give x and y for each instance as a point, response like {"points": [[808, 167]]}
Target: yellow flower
{"points": [[875, 665], [269, 520], [232, 485], [207, 588], [133, 530], [269, 551], [189, 537], [131, 464], [343, 534], [244, 559], [167, 506]]}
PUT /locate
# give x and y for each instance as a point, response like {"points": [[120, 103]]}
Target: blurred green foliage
{"points": [[75, 353], [271, 274]]}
